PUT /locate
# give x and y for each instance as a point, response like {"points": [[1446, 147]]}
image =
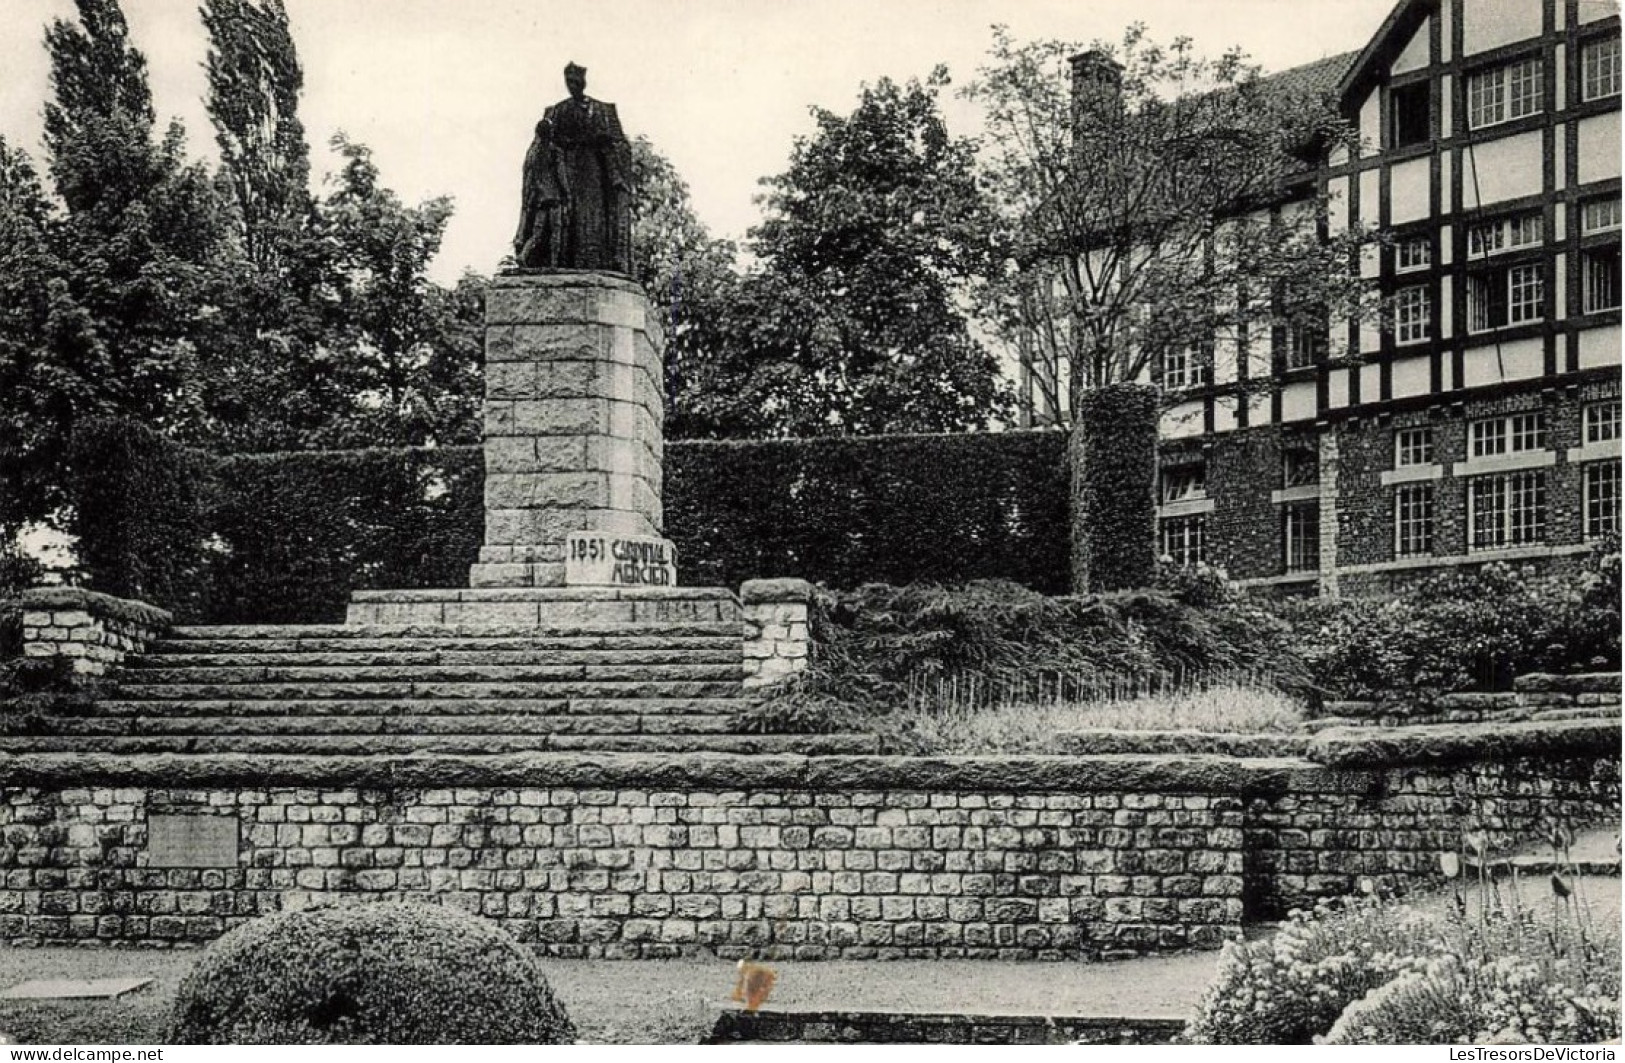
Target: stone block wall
{"points": [[777, 639], [92, 631], [621, 855], [574, 419]]}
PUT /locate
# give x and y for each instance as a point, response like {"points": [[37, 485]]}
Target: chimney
{"points": [[1097, 80]]}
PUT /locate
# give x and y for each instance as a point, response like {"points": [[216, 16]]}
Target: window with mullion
{"points": [[1599, 69], [1413, 520]]}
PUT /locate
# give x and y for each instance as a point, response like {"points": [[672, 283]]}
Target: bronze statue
{"points": [[576, 203]]}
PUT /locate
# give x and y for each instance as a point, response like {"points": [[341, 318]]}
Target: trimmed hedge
{"points": [[283, 538], [302, 530], [140, 512], [886, 509], [368, 974], [1113, 454]]}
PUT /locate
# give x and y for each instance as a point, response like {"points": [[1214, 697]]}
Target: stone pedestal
{"points": [[573, 422]]}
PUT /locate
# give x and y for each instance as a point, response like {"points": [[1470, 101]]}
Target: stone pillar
{"points": [[574, 414], [1328, 512], [778, 643]]}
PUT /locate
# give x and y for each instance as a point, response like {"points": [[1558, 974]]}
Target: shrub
{"points": [[882, 647], [368, 974], [1464, 630], [34, 689]]}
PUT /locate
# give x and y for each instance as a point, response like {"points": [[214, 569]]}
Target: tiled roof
{"points": [[1323, 75]]}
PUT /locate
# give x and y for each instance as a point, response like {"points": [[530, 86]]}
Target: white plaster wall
{"points": [[1337, 388], [1371, 123], [1445, 313], [1599, 147], [1298, 402], [1415, 55], [1592, 11], [1506, 169], [1408, 191], [1182, 421], [1370, 203], [1411, 376], [1487, 24], [1370, 383], [1599, 347], [1519, 360]]}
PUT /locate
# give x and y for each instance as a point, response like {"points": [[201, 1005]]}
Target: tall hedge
{"points": [[285, 538], [888, 509], [1114, 475], [140, 507], [300, 531]]}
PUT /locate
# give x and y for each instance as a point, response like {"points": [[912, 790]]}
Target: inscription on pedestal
{"points": [[191, 841], [592, 559]]}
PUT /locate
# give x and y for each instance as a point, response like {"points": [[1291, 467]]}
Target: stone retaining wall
{"points": [[774, 856], [92, 631]]}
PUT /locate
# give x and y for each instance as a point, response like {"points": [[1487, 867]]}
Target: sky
{"points": [[446, 92]]}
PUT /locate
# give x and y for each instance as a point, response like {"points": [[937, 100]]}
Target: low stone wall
{"points": [[92, 631], [1533, 697], [904, 1027], [620, 855], [777, 643]]}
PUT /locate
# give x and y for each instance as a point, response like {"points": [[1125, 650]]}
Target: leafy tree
{"points": [[692, 278], [404, 352], [254, 84], [1158, 201], [875, 237], [1156, 204], [110, 291]]}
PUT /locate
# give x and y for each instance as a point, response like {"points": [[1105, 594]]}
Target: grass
{"points": [[955, 717]]}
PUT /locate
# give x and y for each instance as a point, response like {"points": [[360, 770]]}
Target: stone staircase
{"points": [[360, 688]]}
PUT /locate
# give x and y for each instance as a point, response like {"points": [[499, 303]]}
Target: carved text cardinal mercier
{"points": [[576, 207]]}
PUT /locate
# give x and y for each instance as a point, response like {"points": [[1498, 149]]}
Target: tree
{"points": [[404, 352], [1161, 228], [1155, 202], [691, 277], [874, 240], [111, 291], [254, 84]]}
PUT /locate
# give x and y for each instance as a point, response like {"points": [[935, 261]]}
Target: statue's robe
{"points": [[576, 204]]}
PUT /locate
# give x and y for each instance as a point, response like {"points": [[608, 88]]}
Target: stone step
{"points": [[407, 689], [433, 673], [647, 708], [472, 723], [171, 647], [360, 745], [303, 632]]}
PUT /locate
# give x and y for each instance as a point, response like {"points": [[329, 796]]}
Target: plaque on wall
{"points": [[181, 840]]}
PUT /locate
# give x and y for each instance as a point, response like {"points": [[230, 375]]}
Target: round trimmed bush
{"points": [[368, 974]]}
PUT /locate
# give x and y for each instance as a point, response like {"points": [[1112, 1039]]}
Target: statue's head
{"points": [[575, 79]]}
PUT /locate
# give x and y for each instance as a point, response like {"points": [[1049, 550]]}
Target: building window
{"points": [[1412, 255], [1600, 215], [1411, 115], [1511, 295], [1306, 341], [1186, 367], [1517, 434], [1599, 263], [1506, 234], [1183, 482], [1507, 509], [1602, 421], [1599, 69], [1413, 315], [1599, 269], [1300, 467], [1413, 520], [1413, 446], [1601, 498], [1504, 93], [1301, 523], [1184, 540]]}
